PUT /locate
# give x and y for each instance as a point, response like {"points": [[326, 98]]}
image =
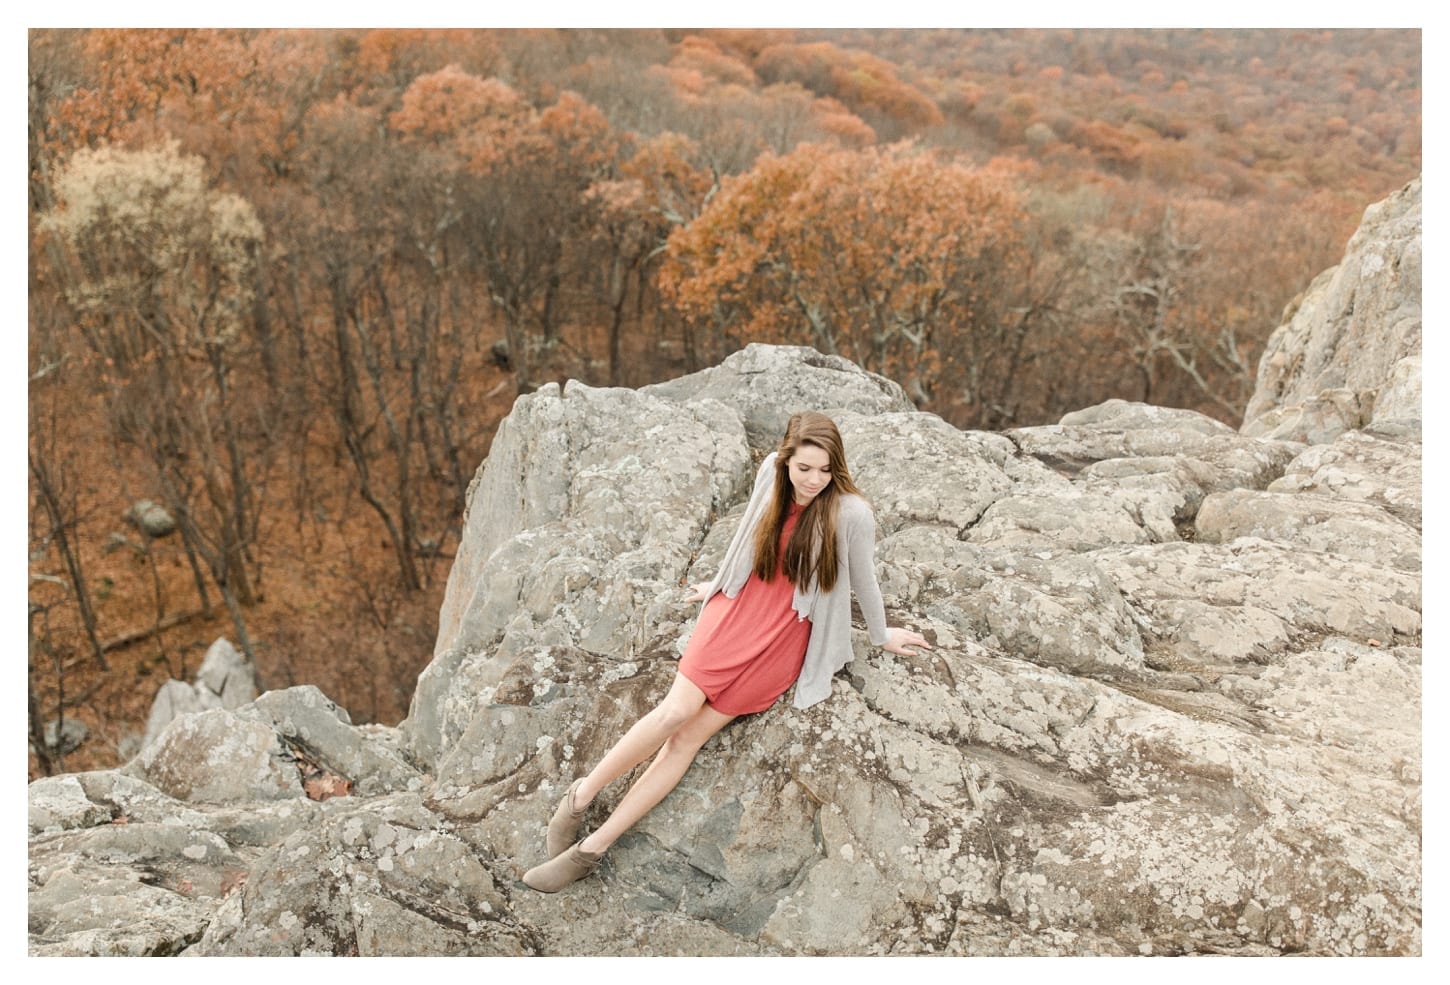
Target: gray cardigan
{"points": [[829, 612]]}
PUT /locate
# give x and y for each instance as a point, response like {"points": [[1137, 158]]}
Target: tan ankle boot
{"points": [[568, 867], [565, 822]]}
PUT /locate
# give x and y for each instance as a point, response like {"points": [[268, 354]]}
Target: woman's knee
{"points": [[690, 737], [674, 712], [682, 703]]}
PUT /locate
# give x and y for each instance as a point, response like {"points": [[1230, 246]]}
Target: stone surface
{"points": [[59, 803], [65, 736], [387, 877], [216, 757], [225, 679], [151, 518], [765, 384], [1358, 530], [1361, 467], [1111, 750], [310, 722], [96, 911], [589, 506], [1349, 356]]}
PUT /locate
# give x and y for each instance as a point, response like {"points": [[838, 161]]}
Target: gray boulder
{"points": [[1060, 757], [215, 757], [386, 878], [151, 518], [765, 384], [65, 736], [308, 721], [225, 679], [1349, 355], [1361, 467], [135, 874], [1357, 530], [1140, 474], [59, 803], [94, 910]]}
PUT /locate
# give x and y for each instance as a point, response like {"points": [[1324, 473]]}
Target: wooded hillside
{"points": [[284, 284]]}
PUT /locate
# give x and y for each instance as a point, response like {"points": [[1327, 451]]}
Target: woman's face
{"points": [[810, 472]]}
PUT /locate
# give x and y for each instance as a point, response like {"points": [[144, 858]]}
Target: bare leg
{"points": [[674, 758], [644, 738]]}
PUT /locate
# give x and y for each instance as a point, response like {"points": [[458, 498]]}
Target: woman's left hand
{"points": [[900, 641]]}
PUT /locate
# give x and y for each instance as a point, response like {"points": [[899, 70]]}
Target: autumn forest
{"points": [[284, 284]]}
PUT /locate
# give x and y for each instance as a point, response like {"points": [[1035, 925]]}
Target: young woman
{"points": [[777, 613]]}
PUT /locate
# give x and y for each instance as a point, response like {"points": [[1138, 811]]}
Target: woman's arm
{"points": [[764, 479], [859, 525]]}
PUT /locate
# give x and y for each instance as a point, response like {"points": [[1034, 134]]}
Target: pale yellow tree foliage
{"points": [[161, 273], [150, 237]]}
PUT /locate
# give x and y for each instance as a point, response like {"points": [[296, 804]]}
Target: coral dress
{"points": [[747, 651]]}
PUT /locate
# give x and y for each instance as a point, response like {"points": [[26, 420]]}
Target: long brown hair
{"points": [[811, 551]]}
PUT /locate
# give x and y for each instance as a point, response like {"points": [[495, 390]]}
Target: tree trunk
{"points": [[59, 526], [36, 721]]}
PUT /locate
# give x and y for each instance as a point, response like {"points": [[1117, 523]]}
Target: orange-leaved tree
{"points": [[661, 187], [519, 177], [889, 256], [864, 82]]}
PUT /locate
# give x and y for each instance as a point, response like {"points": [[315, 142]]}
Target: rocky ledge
{"points": [[1173, 707]]}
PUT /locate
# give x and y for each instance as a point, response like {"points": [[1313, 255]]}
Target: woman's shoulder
{"points": [[767, 468], [854, 508]]}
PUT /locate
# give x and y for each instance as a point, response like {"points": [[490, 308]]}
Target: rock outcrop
{"points": [[1348, 357], [226, 679], [1172, 707]]}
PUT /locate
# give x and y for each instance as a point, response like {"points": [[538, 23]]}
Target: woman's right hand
{"points": [[901, 641], [697, 592]]}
